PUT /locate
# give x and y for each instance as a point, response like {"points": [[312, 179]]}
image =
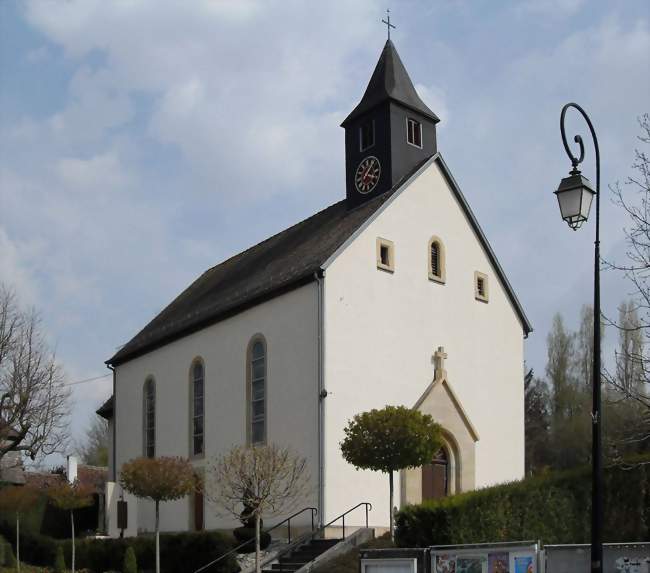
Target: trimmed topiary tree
{"points": [[391, 439], [59, 562], [130, 562], [158, 479], [71, 496]]}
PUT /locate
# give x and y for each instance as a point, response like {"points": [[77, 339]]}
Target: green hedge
{"points": [[555, 508], [48, 520], [178, 551]]}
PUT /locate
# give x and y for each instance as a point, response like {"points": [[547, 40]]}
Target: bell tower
{"points": [[388, 133]]}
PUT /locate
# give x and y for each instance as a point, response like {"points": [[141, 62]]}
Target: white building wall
{"points": [[382, 328], [289, 324]]}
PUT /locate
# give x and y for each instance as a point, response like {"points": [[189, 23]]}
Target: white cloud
{"points": [[91, 175], [13, 272], [436, 100], [207, 69], [181, 123], [552, 8]]}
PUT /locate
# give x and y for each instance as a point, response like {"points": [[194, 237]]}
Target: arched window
{"points": [[197, 400], [149, 418], [257, 392], [436, 256]]}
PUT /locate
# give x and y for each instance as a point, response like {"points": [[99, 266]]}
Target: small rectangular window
{"points": [[385, 255], [413, 132], [367, 135], [481, 291]]}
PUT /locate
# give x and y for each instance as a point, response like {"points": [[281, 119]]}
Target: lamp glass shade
{"points": [[574, 196]]}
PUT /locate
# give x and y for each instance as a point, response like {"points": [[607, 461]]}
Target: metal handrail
{"points": [[314, 511], [342, 516]]}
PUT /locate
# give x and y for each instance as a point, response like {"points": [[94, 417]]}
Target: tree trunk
{"points": [[18, 542], [73, 547], [157, 537], [258, 569], [390, 481]]}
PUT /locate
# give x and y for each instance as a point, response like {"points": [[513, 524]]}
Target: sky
{"points": [[144, 141]]}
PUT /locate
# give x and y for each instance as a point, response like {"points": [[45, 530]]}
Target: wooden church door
{"points": [[435, 477]]}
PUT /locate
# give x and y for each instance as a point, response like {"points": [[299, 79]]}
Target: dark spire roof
{"points": [[390, 81]]}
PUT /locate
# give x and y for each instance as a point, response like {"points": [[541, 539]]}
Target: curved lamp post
{"points": [[575, 195]]}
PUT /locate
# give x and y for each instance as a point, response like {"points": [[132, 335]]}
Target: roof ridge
{"points": [[240, 253]]}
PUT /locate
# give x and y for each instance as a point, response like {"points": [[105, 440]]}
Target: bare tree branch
{"points": [[33, 398]]}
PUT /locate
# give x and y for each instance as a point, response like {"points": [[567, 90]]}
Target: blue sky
{"points": [[143, 142]]}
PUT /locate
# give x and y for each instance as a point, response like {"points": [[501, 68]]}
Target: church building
{"points": [[391, 296]]}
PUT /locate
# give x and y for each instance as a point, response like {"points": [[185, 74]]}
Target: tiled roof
{"points": [[283, 262], [276, 265]]}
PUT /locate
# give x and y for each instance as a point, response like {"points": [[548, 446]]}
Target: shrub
{"points": [[59, 562], [555, 508], [179, 551], [10, 558], [130, 562], [189, 551], [36, 549], [243, 534]]}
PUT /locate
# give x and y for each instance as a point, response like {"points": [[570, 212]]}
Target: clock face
{"points": [[367, 175]]}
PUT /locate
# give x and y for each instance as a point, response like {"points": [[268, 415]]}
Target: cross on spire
{"points": [[387, 22], [439, 357]]}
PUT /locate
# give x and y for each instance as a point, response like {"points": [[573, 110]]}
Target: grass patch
{"points": [[349, 563]]}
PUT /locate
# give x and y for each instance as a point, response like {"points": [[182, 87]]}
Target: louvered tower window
{"points": [[436, 255], [435, 259], [481, 287]]}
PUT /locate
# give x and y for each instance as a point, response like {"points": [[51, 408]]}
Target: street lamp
{"points": [[575, 195]]}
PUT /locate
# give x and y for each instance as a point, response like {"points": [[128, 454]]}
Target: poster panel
{"points": [[471, 564], [505, 557], [524, 564], [499, 562], [445, 564]]}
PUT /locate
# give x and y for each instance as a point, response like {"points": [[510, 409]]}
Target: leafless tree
{"points": [[33, 398], [93, 447], [631, 380], [267, 480]]}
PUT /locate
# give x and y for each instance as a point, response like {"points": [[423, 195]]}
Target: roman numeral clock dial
{"points": [[367, 175]]}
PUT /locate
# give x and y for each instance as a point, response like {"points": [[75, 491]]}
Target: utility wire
{"points": [[87, 380]]}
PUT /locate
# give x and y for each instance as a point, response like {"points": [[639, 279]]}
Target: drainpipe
{"points": [[322, 394], [114, 448]]}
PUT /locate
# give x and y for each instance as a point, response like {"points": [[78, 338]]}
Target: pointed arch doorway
{"points": [[436, 477]]}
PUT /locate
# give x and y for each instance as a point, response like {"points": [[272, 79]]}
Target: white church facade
{"points": [[391, 296]]}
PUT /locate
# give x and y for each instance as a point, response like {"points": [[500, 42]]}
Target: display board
{"points": [[617, 558], [515, 557], [394, 560], [389, 566]]}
